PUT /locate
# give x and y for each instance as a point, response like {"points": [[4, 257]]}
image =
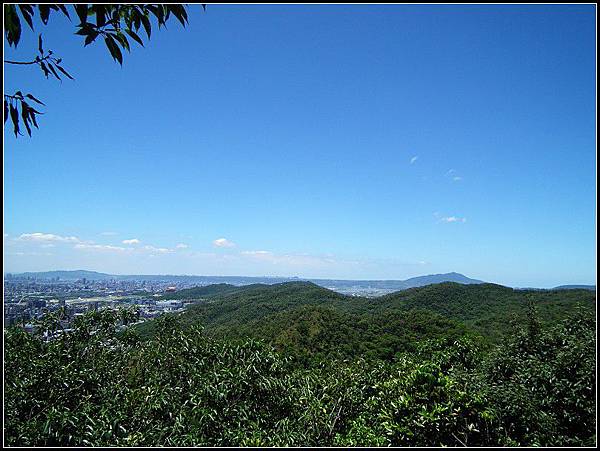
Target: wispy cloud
{"points": [[223, 242], [181, 246], [32, 254], [452, 175], [256, 253], [413, 159], [121, 249], [160, 250], [102, 247], [131, 241], [47, 237], [449, 219]]}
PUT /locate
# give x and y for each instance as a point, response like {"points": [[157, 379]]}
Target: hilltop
{"points": [[304, 311]]}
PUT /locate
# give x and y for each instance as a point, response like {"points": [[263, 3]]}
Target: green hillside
{"points": [[95, 387], [314, 333], [255, 302], [294, 364], [267, 311]]}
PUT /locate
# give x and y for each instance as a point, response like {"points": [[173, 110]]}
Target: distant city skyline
{"points": [[318, 141]]}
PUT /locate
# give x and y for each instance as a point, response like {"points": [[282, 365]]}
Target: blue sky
{"points": [[359, 142]]}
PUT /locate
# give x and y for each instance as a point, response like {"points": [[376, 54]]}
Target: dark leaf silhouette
{"points": [[27, 12], [81, 11], [12, 25], [53, 71], [64, 72], [14, 115], [29, 96], [44, 13], [25, 116], [135, 37], [113, 49], [45, 69]]}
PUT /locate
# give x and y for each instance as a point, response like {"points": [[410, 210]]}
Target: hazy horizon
{"points": [[267, 276]]}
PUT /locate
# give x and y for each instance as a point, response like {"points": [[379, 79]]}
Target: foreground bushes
{"points": [[96, 387]]}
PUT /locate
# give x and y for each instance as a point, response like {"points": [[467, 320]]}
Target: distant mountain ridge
{"points": [[576, 287], [66, 275], [244, 280], [440, 278], [345, 284]]}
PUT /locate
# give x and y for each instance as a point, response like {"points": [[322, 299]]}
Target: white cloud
{"points": [[131, 241], [47, 237], [160, 250], [121, 249], [181, 246], [449, 219], [256, 253], [452, 174], [413, 159], [102, 247], [223, 242]]}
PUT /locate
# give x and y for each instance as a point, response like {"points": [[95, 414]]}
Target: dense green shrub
{"points": [[96, 386]]}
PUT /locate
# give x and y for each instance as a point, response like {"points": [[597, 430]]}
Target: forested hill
{"points": [[259, 310]]}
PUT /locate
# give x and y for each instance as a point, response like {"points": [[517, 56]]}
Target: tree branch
{"points": [[37, 60]]}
